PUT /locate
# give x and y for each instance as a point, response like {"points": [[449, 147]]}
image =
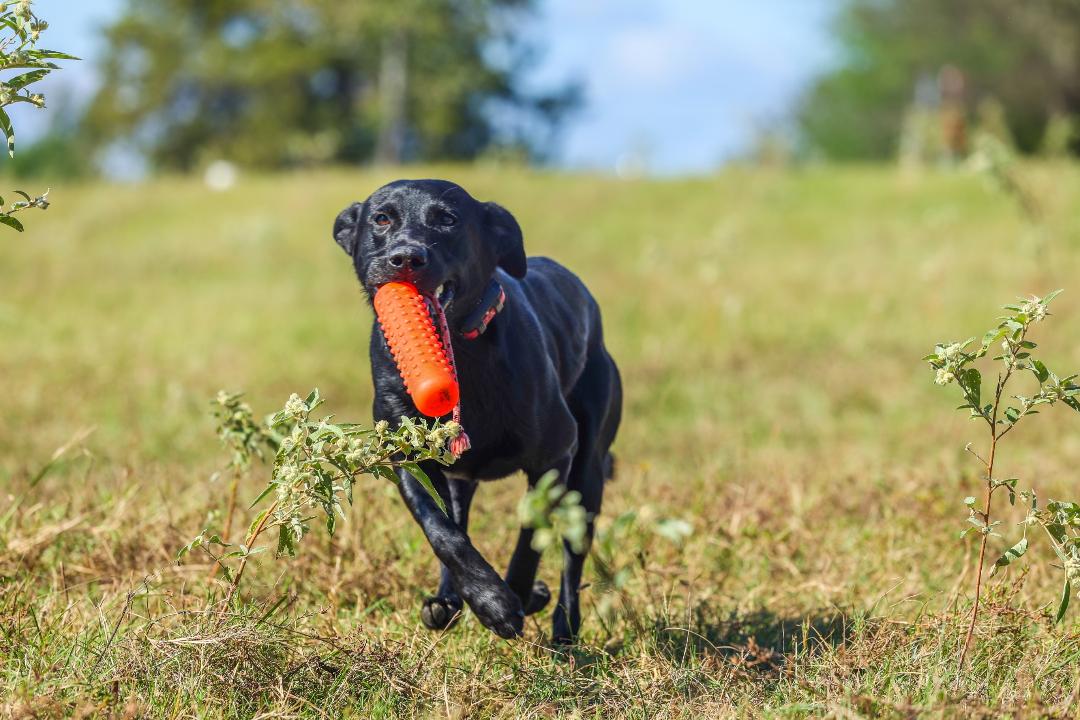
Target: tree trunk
{"points": [[393, 92]]}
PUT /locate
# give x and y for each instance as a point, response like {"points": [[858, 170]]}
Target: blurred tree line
{"points": [[1010, 65], [280, 83]]}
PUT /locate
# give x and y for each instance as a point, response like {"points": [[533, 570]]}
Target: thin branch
{"points": [[995, 438]]}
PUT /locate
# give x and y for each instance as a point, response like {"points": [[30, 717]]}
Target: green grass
{"points": [[769, 328]]}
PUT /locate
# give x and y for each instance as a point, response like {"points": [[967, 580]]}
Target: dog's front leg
{"points": [[493, 602], [443, 609]]}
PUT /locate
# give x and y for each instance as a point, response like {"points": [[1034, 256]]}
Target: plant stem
{"points": [[226, 531], [982, 553], [251, 538], [994, 437]]}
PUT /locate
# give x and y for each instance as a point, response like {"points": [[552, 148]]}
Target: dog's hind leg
{"points": [[586, 477], [521, 573], [443, 609], [596, 403]]}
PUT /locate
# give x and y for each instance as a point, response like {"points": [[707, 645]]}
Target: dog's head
{"points": [[432, 234]]}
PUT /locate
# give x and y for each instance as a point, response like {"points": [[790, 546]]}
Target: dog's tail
{"points": [[609, 466]]}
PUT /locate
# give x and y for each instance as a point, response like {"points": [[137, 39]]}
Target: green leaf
{"points": [[992, 337], [9, 132], [53, 55], [286, 543], [258, 519], [385, 472], [424, 480], [30, 63], [674, 529], [329, 429], [1059, 533], [1050, 296], [971, 381], [10, 221], [1040, 371], [20, 81], [1014, 553], [1010, 486], [17, 28], [269, 488], [1066, 596]]}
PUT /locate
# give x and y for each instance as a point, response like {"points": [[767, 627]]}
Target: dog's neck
{"points": [[490, 304]]}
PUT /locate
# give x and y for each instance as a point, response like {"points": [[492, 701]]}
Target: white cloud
{"points": [[650, 56], [687, 79]]}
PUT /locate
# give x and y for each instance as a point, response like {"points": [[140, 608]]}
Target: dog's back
{"points": [[568, 316]]}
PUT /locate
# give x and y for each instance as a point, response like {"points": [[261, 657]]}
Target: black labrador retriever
{"points": [[538, 389]]}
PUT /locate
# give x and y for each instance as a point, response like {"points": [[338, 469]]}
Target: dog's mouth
{"points": [[436, 304], [444, 294]]}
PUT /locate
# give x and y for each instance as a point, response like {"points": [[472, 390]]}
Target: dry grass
{"points": [[768, 327]]}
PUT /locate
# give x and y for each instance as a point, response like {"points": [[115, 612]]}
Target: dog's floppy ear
{"points": [[505, 233], [346, 227]]}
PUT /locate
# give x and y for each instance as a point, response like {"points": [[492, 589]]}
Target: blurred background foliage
{"points": [[1010, 66], [282, 83], [273, 84]]}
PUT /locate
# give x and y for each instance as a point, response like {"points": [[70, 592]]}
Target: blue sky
{"points": [[680, 84]]}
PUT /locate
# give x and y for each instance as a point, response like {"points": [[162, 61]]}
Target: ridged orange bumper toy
{"points": [[423, 354]]}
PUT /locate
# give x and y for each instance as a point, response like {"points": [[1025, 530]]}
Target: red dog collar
{"points": [[491, 302]]}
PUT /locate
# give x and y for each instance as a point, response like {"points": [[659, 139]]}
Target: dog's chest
{"points": [[497, 420], [511, 405]]}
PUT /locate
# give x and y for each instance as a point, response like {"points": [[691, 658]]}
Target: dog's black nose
{"points": [[412, 256]]}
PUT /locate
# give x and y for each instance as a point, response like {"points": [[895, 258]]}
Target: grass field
{"points": [[769, 327]]}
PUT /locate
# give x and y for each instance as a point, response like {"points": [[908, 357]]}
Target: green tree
{"points": [[20, 30], [1024, 54], [274, 83]]}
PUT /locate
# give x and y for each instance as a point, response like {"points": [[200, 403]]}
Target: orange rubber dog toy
{"points": [[429, 375]]}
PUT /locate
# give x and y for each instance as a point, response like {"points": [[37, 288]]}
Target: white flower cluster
{"points": [[1035, 309], [442, 434], [296, 407], [949, 356]]}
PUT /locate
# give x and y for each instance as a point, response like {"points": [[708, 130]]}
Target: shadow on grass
{"points": [[759, 642]]}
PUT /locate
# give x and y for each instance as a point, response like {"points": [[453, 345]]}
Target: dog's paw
{"points": [[562, 638], [539, 599], [439, 613], [562, 631], [498, 609]]}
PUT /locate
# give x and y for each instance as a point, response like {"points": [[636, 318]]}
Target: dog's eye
{"points": [[446, 219], [381, 219]]}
